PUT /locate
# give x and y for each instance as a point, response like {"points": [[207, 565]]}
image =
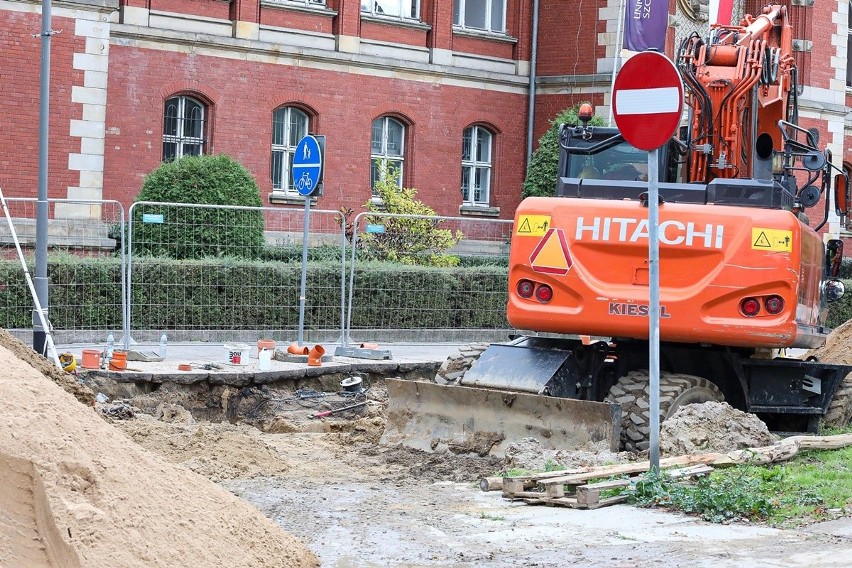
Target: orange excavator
{"points": [[744, 274]]}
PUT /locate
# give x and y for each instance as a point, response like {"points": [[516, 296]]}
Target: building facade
{"points": [[439, 89]]}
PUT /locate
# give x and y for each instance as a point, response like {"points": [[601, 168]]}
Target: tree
{"points": [[182, 232], [406, 240], [541, 176]]}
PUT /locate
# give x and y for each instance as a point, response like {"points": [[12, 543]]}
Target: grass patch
{"points": [[813, 486], [491, 517]]}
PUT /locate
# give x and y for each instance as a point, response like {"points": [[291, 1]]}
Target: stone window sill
{"points": [[479, 211]]}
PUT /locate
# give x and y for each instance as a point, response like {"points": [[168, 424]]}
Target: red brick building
{"points": [[439, 88]]}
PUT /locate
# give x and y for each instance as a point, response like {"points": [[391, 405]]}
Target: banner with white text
{"points": [[645, 24]]}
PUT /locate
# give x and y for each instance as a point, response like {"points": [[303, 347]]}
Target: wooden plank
{"points": [[512, 486], [525, 495], [555, 490], [606, 502], [604, 484]]}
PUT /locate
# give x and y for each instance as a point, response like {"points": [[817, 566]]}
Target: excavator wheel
{"points": [[454, 368], [839, 411], [676, 390]]}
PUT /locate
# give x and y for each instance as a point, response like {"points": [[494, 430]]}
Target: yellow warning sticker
{"points": [[532, 225], [771, 239]]}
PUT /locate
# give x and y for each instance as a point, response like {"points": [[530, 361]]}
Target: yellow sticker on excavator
{"points": [[532, 225], [775, 240]]}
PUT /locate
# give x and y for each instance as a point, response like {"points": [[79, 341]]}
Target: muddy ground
{"points": [[356, 503]]}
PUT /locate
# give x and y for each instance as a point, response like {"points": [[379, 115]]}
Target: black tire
{"points": [[839, 411], [676, 390]]}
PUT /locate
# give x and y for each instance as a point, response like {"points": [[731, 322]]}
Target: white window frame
{"points": [[385, 155], [180, 140], [471, 195], [402, 9], [302, 2], [284, 150], [459, 11]]}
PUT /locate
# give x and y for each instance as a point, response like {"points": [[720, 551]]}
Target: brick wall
{"points": [[19, 107], [244, 94]]}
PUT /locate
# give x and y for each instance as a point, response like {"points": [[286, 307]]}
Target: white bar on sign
{"points": [[647, 101]]}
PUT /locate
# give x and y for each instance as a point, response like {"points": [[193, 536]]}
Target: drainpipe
{"points": [[531, 107]]}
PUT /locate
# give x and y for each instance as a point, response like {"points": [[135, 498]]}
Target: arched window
{"points": [[387, 149], [289, 125], [476, 166], [183, 128]]}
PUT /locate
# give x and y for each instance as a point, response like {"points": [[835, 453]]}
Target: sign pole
{"points": [[654, 306], [302, 286], [647, 103], [307, 175]]}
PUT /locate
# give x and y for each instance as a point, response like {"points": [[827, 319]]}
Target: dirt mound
{"points": [[216, 451], [47, 368], [84, 495], [529, 454], [711, 427], [837, 348]]}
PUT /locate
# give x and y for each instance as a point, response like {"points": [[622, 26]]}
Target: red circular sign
{"points": [[647, 100]]}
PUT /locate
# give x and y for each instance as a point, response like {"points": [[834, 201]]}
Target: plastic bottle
{"points": [[265, 358], [164, 341], [110, 347]]}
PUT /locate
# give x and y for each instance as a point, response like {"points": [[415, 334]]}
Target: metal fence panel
{"points": [[403, 288], [230, 283], [85, 267]]}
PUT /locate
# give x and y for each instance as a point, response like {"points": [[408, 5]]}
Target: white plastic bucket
{"points": [[238, 353]]}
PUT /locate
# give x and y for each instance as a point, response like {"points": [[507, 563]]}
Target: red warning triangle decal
{"points": [[551, 255]]}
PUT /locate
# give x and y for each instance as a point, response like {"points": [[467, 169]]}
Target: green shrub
{"points": [[541, 175], [840, 311], [184, 232], [406, 240]]}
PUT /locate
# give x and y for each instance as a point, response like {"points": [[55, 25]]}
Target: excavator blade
{"points": [[467, 420]]}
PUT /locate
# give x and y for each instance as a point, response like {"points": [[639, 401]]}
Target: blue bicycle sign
{"points": [[307, 165]]}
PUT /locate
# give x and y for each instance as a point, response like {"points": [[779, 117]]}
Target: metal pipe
{"points": [[38, 311], [617, 58], [40, 283], [531, 101], [654, 307]]}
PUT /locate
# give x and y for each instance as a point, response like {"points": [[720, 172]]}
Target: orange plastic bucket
{"points": [[265, 344], [91, 359], [118, 361]]}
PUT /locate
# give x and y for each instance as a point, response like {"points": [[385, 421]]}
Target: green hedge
{"points": [[85, 293], [238, 294]]}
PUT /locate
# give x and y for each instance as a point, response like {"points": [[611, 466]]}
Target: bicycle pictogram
{"points": [[304, 182]]}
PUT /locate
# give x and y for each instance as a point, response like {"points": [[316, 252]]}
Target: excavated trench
{"points": [[288, 402]]}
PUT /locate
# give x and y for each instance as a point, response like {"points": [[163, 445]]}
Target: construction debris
{"points": [[581, 494], [711, 427]]}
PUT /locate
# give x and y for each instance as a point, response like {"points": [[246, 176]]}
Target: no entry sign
{"points": [[647, 100]]}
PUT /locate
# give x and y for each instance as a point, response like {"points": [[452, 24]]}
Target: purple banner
{"points": [[645, 24]]}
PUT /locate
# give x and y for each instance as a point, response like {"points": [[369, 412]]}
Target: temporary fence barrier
{"points": [[427, 278], [238, 275], [86, 263]]}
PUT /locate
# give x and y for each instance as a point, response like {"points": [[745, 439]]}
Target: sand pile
{"points": [[530, 455], [837, 348], [711, 427], [76, 492], [215, 450]]}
